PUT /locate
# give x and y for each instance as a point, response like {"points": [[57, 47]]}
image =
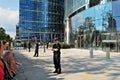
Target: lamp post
{"points": [[77, 43], [29, 44], [29, 33], [67, 31], [53, 33], [44, 44], [117, 41]]}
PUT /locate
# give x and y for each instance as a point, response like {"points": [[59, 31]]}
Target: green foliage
{"points": [[63, 45], [51, 44], [4, 36]]}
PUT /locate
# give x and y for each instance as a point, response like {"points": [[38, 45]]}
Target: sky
{"points": [[9, 16]]}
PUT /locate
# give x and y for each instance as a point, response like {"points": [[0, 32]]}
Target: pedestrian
{"points": [[25, 45], [29, 46], [1, 54], [1, 63], [8, 60], [36, 50], [8, 56], [47, 44], [4, 47], [1, 49], [56, 56]]}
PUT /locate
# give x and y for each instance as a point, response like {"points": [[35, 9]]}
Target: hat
{"points": [[56, 39]]}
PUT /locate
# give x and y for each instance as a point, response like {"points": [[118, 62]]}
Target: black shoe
{"points": [[55, 71], [58, 72]]}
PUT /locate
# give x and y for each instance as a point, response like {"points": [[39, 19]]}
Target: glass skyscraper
{"points": [[90, 23], [41, 20]]}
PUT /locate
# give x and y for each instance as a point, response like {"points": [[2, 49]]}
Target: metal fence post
{"points": [[108, 53], [91, 52]]}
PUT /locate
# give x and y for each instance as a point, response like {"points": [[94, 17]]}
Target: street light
{"points": [[29, 33], [29, 44], [67, 30]]}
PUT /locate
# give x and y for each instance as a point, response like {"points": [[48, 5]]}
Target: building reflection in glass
{"points": [[98, 26]]}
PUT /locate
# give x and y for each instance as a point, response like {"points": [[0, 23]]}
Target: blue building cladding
{"points": [[97, 26], [41, 20]]}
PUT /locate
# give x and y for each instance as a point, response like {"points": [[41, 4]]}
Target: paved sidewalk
{"points": [[76, 65]]}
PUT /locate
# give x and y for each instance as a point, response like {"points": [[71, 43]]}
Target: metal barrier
{"points": [[108, 53], [91, 52]]}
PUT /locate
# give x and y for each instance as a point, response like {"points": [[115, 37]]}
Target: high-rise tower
{"points": [[41, 20]]}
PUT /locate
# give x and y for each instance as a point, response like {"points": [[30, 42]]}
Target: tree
{"points": [[111, 23], [2, 33], [4, 36]]}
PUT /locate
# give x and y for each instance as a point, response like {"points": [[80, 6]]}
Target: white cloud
{"points": [[9, 19]]}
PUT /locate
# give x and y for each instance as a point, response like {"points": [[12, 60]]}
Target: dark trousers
{"points": [[56, 59], [36, 52], [29, 49]]}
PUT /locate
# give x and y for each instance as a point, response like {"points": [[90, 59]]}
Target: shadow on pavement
{"points": [[93, 66], [34, 69]]}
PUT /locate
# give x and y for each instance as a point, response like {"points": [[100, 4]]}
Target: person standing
{"points": [[1, 54], [56, 56], [47, 44], [29, 46], [25, 45], [4, 47], [36, 50]]}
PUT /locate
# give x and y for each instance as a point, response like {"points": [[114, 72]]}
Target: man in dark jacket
{"points": [[56, 56], [36, 50], [29, 46]]}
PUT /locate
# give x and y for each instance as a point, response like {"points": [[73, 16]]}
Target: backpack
{"points": [[8, 74]]}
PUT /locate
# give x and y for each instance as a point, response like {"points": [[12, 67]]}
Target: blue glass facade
{"points": [[41, 20], [97, 26], [73, 5]]}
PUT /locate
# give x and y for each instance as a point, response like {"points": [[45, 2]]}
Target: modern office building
{"points": [[17, 33], [93, 23], [41, 20]]}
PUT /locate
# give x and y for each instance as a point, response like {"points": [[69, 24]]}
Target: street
{"points": [[76, 65]]}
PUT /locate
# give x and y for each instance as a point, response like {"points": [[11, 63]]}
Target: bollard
{"points": [[108, 53], [91, 52]]}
